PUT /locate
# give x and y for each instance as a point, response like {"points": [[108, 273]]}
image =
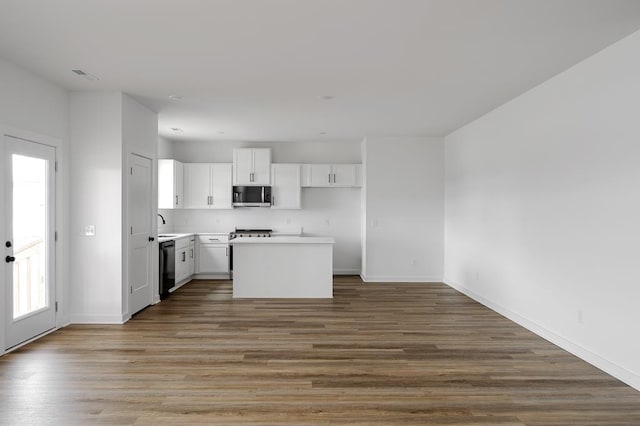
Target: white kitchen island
{"points": [[283, 267]]}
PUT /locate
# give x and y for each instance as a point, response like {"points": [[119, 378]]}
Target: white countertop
{"points": [[283, 240], [173, 236]]}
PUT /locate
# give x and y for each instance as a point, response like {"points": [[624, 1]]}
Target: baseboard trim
{"points": [[209, 277], [98, 319], [346, 272], [611, 368], [400, 279]]}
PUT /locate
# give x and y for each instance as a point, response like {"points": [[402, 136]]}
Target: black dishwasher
{"points": [[167, 267]]}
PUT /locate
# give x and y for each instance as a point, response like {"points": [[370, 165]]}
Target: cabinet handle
{"points": [[176, 200], [191, 253], [184, 256], [329, 177], [214, 239], [334, 178]]}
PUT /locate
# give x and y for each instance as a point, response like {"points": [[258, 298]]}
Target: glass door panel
{"points": [[29, 176]]}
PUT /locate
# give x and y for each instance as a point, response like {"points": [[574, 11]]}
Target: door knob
{"points": [[9, 259], [7, 244], [151, 239]]}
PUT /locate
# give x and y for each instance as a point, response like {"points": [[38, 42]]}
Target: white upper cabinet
{"points": [[285, 186], [197, 181], [170, 184], [331, 175], [252, 166], [207, 186], [221, 186]]}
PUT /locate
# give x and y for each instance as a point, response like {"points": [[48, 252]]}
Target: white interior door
{"points": [[29, 246], [140, 233]]}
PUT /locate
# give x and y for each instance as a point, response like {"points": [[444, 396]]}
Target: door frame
{"points": [[154, 289], [58, 211]]}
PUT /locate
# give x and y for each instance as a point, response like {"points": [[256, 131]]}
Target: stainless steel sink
{"points": [[167, 235]]}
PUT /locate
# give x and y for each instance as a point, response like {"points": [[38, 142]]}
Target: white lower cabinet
{"points": [[184, 253], [212, 254]]}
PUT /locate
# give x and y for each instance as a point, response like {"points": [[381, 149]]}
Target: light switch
{"points": [[90, 230]]}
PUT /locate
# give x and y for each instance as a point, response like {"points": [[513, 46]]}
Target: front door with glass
{"points": [[29, 200]]}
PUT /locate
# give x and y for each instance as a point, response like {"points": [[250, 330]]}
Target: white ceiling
{"points": [[258, 69]]}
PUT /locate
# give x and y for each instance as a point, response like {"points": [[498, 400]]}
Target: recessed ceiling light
{"points": [[85, 75], [175, 97], [221, 133], [323, 133], [327, 97], [177, 129]]}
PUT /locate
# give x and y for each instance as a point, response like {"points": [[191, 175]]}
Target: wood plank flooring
{"points": [[375, 354]]}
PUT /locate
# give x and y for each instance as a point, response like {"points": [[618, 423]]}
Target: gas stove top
{"points": [[245, 233]]}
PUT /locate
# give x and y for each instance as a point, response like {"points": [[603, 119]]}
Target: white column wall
{"points": [[403, 234], [96, 187]]}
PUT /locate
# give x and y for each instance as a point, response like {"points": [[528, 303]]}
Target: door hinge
{"points": [[131, 170], [56, 306], [55, 166], [55, 236], [132, 230], [131, 289]]}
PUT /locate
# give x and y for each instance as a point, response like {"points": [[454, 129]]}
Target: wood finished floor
{"points": [[375, 354]]}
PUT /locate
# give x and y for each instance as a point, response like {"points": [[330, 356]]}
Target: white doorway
{"points": [[29, 239], [140, 275]]}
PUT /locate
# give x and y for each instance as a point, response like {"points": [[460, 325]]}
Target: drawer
{"points": [[213, 239], [182, 243]]}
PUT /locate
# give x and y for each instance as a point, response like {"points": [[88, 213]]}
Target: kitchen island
{"points": [[283, 267]]}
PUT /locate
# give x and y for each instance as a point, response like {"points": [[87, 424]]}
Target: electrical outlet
{"points": [[580, 317], [288, 220], [374, 223], [414, 261], [477, 276], [328, 221], [90, 230]]}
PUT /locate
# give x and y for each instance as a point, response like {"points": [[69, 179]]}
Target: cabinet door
{"points": [[178, 182], [242, 166], [182, 265], [213, 259], [196, 185], [261, 166], [169, 184], [320, 175], [285, 188], [191, 259], [344, 175], [221, 186]]}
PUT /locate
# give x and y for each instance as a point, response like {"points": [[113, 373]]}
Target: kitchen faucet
{"points": [[164, 222]]}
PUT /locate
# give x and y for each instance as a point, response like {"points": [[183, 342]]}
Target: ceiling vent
{"points": [[86, 75]]}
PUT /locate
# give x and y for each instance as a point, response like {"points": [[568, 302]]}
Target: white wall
{"points": [[404, 209], [325, 211], [33, 108], [96, 187], [543, 209]]}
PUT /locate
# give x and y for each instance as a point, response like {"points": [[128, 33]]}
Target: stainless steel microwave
{"points": [[252, 196]]}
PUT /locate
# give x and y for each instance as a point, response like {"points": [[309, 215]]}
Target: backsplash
{"points": [[331, 212]]}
